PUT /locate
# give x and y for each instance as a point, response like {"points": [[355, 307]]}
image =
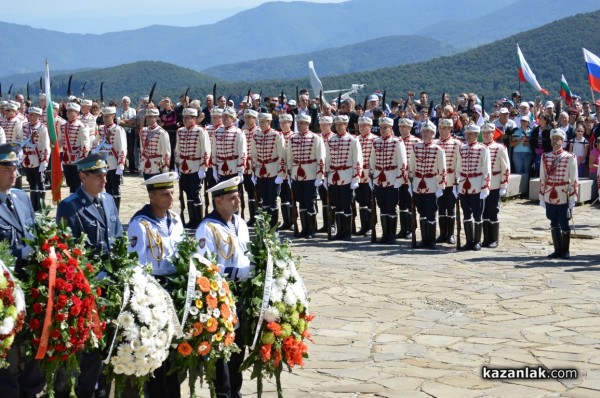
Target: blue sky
{"points": [[78, 17]]}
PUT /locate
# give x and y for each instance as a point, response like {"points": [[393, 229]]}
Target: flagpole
{"points": [[592, 91]]}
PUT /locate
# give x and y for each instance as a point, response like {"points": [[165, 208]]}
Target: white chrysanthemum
{"points": [[145, 315], [125, 349], [280, 263], [154, 324], [128, 370], [272, 314], [19, 299], [276, 294], [142, 351], [286, 274], [290, 298], [161, 339], [140, 301], [126, 319], [7, 325], [145, 332], [119, 369], [193, 311], [139, 280], [153, 291], [299, 291], [281, 283], [132, 333], [135, 345], [216, 313]]}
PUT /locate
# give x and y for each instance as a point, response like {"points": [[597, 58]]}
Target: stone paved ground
{"points": [[396, 322]]}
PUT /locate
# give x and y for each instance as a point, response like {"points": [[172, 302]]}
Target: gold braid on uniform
{"points": [[154, 241], [219, 242]]}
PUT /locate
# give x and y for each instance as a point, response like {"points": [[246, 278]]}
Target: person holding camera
{"points": [[520, 148]]}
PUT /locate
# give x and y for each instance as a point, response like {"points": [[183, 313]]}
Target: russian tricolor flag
{"points": [[592, 62]]}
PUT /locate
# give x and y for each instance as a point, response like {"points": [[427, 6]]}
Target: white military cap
{"points": [[557, 132], [365, 120], [251, 113], [71, 98], [549, 104], [446, 123], [386, 121], [13, 106], [161, 181], [286, 117], [217, 112], [86, 102], [255, 96], [37, 111], [303, 118], [292, 102], [405, 122], [3, 103], [190, 112], [325, 120], [225, 187], [472, 128], [42, 95], [152, 112], [265, 116], [229, 112], [72, 106], [428, 125], [373, 97], [488, 127], [503, 110], [245, 99], [341, 119], [109, 110], [55, 105]]}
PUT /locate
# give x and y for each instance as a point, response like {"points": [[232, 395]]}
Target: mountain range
{"points": [[280, 29]]}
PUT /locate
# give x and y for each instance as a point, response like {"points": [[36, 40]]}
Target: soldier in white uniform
{"points": [[387, 165], [225, 234], [500, 173], [559, 186], [192, 154], [268, 164], [155, 146], [216, 116], [343, 165], [229, 150], [112, 140], [13, 130], [88, 119], [75, 139], [36, 155], [306, 162], [325, 124], [473, 171], [285, 124], [154, 232], [364, 194], [405, 191], [250, 128]]}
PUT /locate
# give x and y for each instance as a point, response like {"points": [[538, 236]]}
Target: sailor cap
{"points": [[386, 121], [55, 105], [190, 112], [549, 104], [109, 110], [161, 181], [365, 120], [225, 187], [94, 163]]}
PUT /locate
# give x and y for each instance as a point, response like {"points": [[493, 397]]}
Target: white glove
{"points": [[397, 184], [455, 191], [326, 183], [118, 171], [318, 182], [542, 204], [483, 195], [43, 167], [571, 203], [439, 192], [254, 179], [410, 189], [241, 174], [215, 174], [201, 174], [353, 185], [502, 191], [278, 180], [371, 185]]}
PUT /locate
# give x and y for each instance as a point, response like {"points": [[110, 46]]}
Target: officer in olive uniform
{"points": [[21, 379], [92, 212]]}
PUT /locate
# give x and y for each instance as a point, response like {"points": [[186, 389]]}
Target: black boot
{"points": [[565, 242], [477, 237], [365, 222], [385, 231], [286, 216], [303, 224], [347, 223], [325, 215], [424, 234], [468, 227], [443, 220], [274, 217], [117, 200], [252, 211], [311, 222], [450, 230], [392, 222], [486, 233], [339, 222], [556, 235], [190, 209], [494, 234], [431, 227], [33, 196], [405, 226]]}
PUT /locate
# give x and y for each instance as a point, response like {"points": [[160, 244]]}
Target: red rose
{"points": [[36, 342], [45, 246], [99, 291], [89, 267], [54, 238], [55, 334], [69, 287], [62, 246], [60, 284], [35, 293], [60, 317], [41, 276], [76, 252], [38, 308], [34, 324], [69, 276], [46, 263]]}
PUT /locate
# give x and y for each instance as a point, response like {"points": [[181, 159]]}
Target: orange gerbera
{"points": [[213, 268], [197, 329], [265, 352], [275, 328], [225, 311], [225, 286], [229, 339], [184, 349], [203, 284], [211, 302], [211, 325], [204, 348]]}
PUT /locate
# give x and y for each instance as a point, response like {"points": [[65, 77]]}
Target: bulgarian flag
{"points": [[527, 75], [592, 62], [56, 164], [565, 91]]}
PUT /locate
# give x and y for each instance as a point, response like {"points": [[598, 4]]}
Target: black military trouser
{"points": [[249, 187], [426, 205], [132, 144], [340, 197], [72, 177], [191, 184], [305, 193], [472, 207], [491, 206], [285, 194], [36, 186], [228, 383], [364, 195], [113, 184], [387, 200], [447, 203], [268, 192], [22, 377]]}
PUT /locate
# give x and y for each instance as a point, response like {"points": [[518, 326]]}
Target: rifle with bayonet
{"points": [[69, 86], [458, 222], [329, 214], [294, 207], [28, 97], [102, 93], [83, 90]]}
